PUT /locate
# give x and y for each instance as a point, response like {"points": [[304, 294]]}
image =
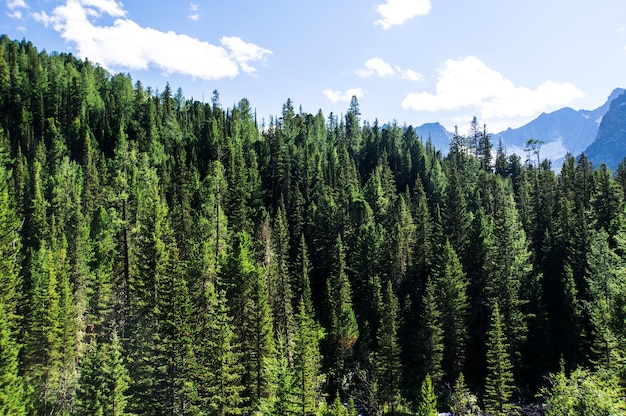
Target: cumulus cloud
{"points": [[469, 83], [15, 7], [338, 96], [396, 12], [16, 4], [129, 45], [378, 67]]}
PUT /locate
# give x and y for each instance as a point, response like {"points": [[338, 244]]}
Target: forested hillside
{"points": [[163, 256]]}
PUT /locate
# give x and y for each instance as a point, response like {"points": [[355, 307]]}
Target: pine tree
{"points": [[103, 380], [50, 336], [246, 290], [499, 383], [90, 395], [452, 285], [307, 361], [220, 389], [12, 397], [117, 378], [462, 402], [285, 402], [427, 404], [344, 330], [387, 357], [430, 335], [279, 281], [606, 287]]}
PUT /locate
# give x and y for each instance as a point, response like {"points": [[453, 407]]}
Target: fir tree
{"points": [[427, 403], [220, 381], [307, 361], [12, 395], [499, 383], [430, 336], [387, 357], [452, 285]]}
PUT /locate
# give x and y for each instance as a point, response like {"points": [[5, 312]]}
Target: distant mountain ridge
{"points": [[610, 144], [562, 131], [438, 135]]}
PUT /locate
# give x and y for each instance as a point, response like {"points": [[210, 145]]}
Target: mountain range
{"points": [[600, 133]]}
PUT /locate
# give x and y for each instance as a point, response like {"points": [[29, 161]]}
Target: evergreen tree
{"points": [[246, 289], [499, 383], [343, 328], [430, 336], [452, 285], [307, 361], [387, 357], [427, 404], [220, 389], [462, 402], [12, 396], [607, 290]]}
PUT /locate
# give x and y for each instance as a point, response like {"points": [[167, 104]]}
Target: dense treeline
{"points": [[166, 256]]}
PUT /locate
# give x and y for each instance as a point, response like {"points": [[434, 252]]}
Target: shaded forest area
{"points": [[164, 256]]}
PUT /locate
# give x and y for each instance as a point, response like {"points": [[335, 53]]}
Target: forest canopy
{"points": [[161, 255]]}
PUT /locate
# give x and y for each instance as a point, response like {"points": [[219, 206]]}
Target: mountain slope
{"points": [[439, 136], [610, 144], [562, 131]]}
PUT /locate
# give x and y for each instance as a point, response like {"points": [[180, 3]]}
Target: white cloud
{"points": [[469, 83], [338, 96], [410, 75], [194, 8], [396, 12], [378, 67], [98, 7], [126, 44], [16, 4]]}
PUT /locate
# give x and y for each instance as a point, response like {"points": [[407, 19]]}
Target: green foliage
{"points": [[584, 392], [252, 268], [387, 358], [103, 381], [429, 341], [427, 403], [12, 395], [463, 402], [499, 384]]}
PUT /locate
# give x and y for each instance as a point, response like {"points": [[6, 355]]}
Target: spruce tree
{"points": [[427, 403], [307, 361], [429, 342], [12, 397], [452, 286], [344, 330], [220, 386], [387, 357], [499, 384]]}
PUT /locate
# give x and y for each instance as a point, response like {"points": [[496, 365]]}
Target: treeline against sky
{"points": [[160, 255]]}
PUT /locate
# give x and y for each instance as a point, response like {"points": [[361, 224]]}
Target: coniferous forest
{"points": [[165, 256]]}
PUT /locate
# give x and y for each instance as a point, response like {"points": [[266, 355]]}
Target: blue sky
{"points": [[413, 61]]}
